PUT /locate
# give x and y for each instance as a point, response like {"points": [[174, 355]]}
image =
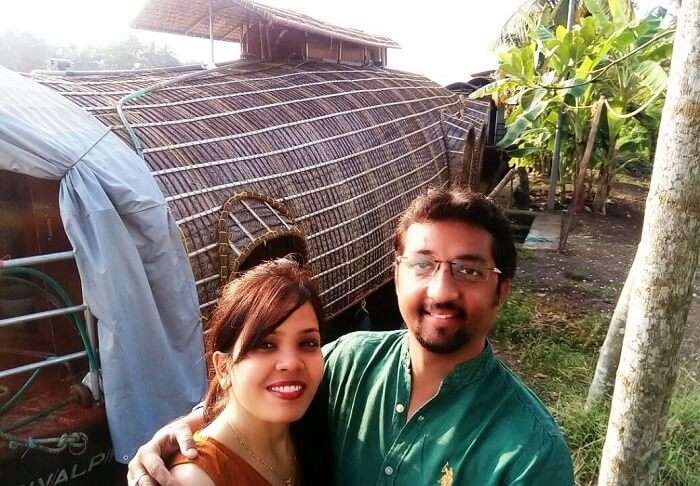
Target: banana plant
{"points": [[608, 52]]}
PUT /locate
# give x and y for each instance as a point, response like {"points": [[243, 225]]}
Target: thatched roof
{"points": [[191, 17], [324, 156]]}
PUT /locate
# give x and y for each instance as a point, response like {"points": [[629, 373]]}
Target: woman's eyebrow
{"points": [[310, 330]]}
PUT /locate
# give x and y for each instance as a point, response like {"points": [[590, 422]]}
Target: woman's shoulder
{"points": [[217, 462], [188, 473], [209, 463]]}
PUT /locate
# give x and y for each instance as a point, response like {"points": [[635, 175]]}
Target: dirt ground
{"points": [[589, 276]]}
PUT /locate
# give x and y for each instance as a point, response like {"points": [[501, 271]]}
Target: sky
{"points": [[445, 40]]}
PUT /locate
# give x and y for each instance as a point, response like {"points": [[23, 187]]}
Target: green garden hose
{"points": [[56, 295], [61, 293], [53, 300], [5, 407]]}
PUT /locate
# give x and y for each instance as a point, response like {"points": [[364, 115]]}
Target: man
{"points": [[431, 405]]}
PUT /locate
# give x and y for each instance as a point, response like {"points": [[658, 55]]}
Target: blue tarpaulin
{"points": [[133, 266]]}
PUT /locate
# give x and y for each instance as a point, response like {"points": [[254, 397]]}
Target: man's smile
{"points": [[443, 313]]}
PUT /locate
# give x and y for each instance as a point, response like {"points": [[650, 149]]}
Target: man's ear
{"points": [[396, 272], [503, 290]]}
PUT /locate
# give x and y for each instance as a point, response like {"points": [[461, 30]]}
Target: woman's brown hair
{"points": [[250, 308]]}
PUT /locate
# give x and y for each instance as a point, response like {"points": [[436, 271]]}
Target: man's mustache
{"points": [[445, 307]]}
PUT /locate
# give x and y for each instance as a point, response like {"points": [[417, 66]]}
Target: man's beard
{"points": [[445, 344]]}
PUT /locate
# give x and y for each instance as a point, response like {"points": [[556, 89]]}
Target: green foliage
{"points": [[127, 54], [24, 52], [558, 363], [680, 457], [681, 449], [608, 53]]}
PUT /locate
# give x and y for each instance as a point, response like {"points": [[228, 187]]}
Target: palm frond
{"points": [[514, 32]]}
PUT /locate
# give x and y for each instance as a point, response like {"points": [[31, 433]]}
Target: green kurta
{"points": [[484, 427]]}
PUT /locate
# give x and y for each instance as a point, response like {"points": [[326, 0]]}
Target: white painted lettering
{"points": [[77, 470], [96, 460], [76, 473], [49, 480], [62, 477]]}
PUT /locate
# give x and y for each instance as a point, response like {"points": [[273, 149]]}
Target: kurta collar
{"points": [[463, 374]]}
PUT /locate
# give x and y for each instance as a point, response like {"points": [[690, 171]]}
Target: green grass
{"points": [[557, 361]]}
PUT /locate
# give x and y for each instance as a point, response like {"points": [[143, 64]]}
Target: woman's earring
{"points": [[224, 381]]}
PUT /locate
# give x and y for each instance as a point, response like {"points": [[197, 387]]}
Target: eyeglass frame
{"points": [[438, 264]]}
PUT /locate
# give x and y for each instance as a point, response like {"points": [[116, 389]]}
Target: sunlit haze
{"points": [[445, 40]]}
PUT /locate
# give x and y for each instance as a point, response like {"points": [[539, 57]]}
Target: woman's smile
{"points": [[287, 390]]}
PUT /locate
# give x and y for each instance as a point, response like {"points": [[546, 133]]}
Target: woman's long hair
{"points": [[250, 308]]}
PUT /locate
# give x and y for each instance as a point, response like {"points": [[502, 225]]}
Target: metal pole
{"points": [[37, 260], [572, 14], [11, 321], [554, 171], [211, 35], [42, 364]]}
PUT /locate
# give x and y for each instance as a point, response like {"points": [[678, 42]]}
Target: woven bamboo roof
{"points": [[191, 17], [322, 155]]}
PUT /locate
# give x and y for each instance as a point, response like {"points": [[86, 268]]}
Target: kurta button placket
{"points": [[388, 470], [400, 408]]}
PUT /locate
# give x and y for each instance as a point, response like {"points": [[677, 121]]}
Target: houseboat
{"points": [[129, 198]]}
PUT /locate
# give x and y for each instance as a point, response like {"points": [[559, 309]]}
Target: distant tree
{"points": [[24, 52]]}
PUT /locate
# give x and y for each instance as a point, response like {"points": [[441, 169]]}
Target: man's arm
{"points": [[147, 468]]}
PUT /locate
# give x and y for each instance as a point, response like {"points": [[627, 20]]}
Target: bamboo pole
{"points": [[554, 171], [506, 179], [583, 167], [586, 160]]}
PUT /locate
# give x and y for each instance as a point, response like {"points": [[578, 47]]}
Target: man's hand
{"points": [[147, 468]]}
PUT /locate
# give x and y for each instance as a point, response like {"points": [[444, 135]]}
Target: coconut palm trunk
{"points": [[662, 289]]}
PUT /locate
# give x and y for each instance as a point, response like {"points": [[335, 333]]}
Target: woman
{"points": [[264, 346]]}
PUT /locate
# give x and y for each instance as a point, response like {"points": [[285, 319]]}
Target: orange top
{"points": [[221, 464]]}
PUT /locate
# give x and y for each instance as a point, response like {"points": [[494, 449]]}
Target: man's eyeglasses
{"points": [[425, 266]]}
